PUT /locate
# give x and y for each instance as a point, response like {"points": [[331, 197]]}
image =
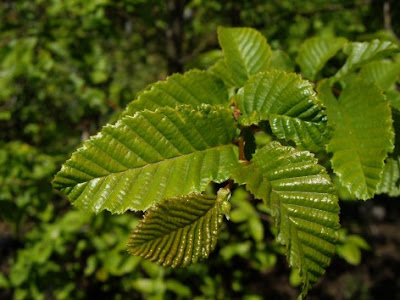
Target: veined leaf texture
{"points": [[151, 156], [315, 52], [181, 230], [246, 52], [303, 202], [192, 88], [185, 132], [359, 54], [290, 105], [362, 135]]}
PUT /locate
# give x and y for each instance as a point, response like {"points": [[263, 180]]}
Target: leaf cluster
{"points": [[193, 129]]}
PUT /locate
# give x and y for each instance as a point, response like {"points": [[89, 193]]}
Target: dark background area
{"points": [[69, 67]]}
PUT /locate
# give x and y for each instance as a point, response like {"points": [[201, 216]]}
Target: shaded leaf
{"points": [[281, 61], [362, 137], [303, 202], [150, 156], [315, 52], [220, 70], [181, 230], [390, 181], [192, 88], [394, 99], [360, 54], [383, 73], [246, 52], [290, 105]]}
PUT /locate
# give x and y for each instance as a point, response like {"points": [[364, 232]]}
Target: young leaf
{"points": [[246, 52], [281, 61], [393, 97], [192, 88], [390, 181], [362, 137], [181, 230], [360, 54], [151, 156], [315, 52], [220, 70], [383, 73], [303, 202], [288, 103]]}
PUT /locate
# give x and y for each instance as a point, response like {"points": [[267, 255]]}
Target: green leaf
{"points": [[192, 88], [281, 61], [394, 99], [315, 52], [220, 70], [290, 105], [362, 137], [246, 52], [390, 181], [303, 202], [180, 231], [383, 73], [151, 156], [360, 54]]}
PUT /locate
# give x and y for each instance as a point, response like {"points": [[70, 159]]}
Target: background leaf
{"points": [[362, 137], [360, 54], [303, 202], [281, 61], [180, 231], [288, 103], [221, 70], [383, 73], [192, 88], [390, 181], [150, 156], [246, 52], [315, 52]]}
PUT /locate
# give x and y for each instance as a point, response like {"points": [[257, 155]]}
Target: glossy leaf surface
{"points": [[180, 231], [246, 52], [290, 105], [148, 157], [362, 137], [315, 52], [192, 88], [303, 202]]}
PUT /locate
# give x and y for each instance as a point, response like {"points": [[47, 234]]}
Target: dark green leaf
{"points": [[180, 231]]}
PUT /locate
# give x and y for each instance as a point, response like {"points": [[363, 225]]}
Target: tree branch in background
{"points": [[175, 35]]}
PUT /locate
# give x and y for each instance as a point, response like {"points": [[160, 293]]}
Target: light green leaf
{"points": [[246, 52], [315, 52], [220, 70], [151, 156], [394, 99], [383, 73], [181, 230], [362, 137], [192, 88], [303, 202], [290, 105], [281, 61], [360, 54], [390, 181]]}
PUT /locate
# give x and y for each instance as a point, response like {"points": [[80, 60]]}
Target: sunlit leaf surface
{"points": [[181, 230], [303, 202], [150, 156]]}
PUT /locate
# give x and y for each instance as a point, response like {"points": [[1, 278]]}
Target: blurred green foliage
{"points": [[68, 67]]}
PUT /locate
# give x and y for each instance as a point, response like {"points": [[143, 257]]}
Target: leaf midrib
{"points": [[143, 166]]}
